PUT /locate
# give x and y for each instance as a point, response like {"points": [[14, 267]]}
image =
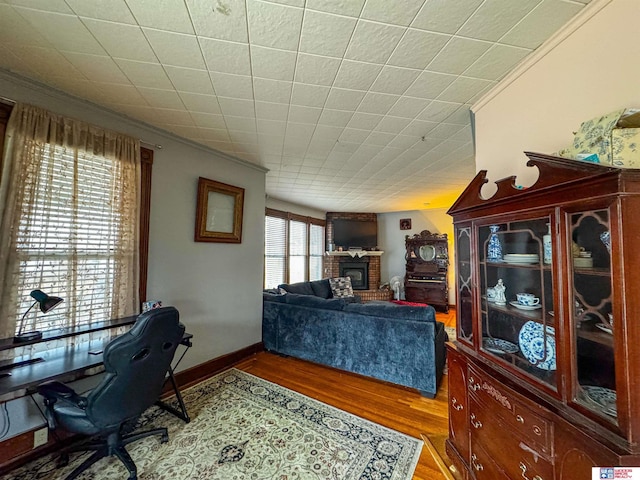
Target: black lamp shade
{"points": [[46, 302]]}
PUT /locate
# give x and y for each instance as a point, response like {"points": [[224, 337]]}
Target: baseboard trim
{"points": [[18, 450]]}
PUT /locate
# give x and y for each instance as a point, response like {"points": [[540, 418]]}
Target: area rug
{"points": [[246, 428]]}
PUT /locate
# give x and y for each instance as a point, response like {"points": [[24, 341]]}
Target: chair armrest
{"points": [[54, 391]]}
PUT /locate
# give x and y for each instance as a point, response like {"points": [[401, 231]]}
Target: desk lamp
{"points": [[47, 303]]}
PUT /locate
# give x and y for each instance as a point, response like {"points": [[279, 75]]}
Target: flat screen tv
{"points": [[355, 234]]}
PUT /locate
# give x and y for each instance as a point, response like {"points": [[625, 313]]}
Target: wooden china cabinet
{"points": [[548, 390], [427, 263]]}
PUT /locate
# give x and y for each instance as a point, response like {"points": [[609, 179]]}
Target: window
{"points": [[294, 248], [64, 241]]}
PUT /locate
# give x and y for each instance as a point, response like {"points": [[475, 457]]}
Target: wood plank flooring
{"points": [[393, 406]]}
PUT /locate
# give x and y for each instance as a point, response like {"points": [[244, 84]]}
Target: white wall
{"points": [[593, 71], [392, 240], [216, 287]]}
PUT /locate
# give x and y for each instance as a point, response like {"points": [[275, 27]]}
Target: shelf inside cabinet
{"points": [[594, 335], [601, 272]]}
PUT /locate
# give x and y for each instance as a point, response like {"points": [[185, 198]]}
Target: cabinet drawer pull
{"points": [[456, 405], [523, 467], [473, 385], [474, 422], [519, 419], [474, 463]]}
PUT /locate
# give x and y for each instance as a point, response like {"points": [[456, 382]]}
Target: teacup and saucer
{"points": [[527, 299]]}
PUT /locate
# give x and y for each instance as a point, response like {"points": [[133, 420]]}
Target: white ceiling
{"points": [[352, 105]]}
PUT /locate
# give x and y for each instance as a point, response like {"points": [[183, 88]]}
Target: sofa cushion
{"points": [[302, 288], [315, 302], [341, 287], [321, 288], [391, 310]]}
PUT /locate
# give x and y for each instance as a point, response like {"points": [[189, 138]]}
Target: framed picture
{"points": [[405, 224], [219, 212]]}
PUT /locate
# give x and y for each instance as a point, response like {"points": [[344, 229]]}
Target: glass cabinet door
{"points": [[593, 318], [464, 321], [517, 296]]}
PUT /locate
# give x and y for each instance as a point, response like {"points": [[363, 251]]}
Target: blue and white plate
{"points": [[604, 397], [532, 340]]}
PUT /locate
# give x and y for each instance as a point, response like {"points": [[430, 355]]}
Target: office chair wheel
{"points": [[63, 460]]}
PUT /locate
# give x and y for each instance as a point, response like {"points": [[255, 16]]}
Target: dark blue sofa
{"points": [[396, 343]]}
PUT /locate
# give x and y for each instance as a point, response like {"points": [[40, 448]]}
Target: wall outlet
{"points": [[40, 437]]}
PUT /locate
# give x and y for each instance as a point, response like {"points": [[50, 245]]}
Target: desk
{"points": [[58, 363]]}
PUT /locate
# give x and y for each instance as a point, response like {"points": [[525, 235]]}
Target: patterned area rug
{"points": [[245, 428]]}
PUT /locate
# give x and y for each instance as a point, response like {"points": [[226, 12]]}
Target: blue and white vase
{"points": [[494, 251], [546, 243]]}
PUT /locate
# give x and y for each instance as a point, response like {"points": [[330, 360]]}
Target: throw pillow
{"points": [[341, 287]]}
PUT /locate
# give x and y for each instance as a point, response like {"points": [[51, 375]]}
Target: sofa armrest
{"points": [[440, 339]]}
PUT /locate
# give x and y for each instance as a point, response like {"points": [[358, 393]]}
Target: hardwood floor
{"points": [[396, 407]]}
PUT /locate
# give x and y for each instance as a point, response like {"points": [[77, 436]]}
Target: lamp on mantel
{"points": [[47, 303]]}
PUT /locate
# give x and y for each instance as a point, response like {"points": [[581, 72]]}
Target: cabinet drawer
{"points": [[521, 420], [515, 455], [482, 466]]}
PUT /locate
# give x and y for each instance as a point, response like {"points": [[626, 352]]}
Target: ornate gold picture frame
{"points": [[219, 212]]}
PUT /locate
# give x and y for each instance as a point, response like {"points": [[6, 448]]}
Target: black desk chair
{"points": [[136, 364]]}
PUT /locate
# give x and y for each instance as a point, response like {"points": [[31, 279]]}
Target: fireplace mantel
{"points": [[355, 253]]}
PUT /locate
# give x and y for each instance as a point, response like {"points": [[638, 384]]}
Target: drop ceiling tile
{"points": [[121, 41], [16, 30], [408, 107], [337, 118], [497, 62], [232, 86], [394, 80], [119, 93], [309, 95], [541, 23], [64, 32], [110, 10], [272, 90], [316, 69], [97, 67], [300, 130], [458, 55], [437, 111], [494, 18], [350, 8], [43, 61], [244, 124], [196, 102], [300, 114], [222, 20], [236, 107], [169, 15], [274, 129], [377, 103], [58, 6], [175, 48], [226, 57], [419, 128], [462, 89], [272, 25], [161, 98], [444, 15], [461, 116], [444, 131], [145, 74], [430, 85], [209, 120], [326, 34], [354, 135], [373, 42], [340, 98], [397, 12], [481, 92], [190, 80], [364, 121], [356, 75], [403, 141], [417, 48], [172, 116], [271, 111], [328, 132], [272, 63], [392, 124]]}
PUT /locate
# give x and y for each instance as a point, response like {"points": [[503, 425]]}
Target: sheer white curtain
{"points": [[69, 206]]}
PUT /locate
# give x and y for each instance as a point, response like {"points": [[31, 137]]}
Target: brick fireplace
{"points": [[334, 260]]}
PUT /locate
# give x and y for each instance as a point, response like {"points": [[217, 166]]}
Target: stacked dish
{"points": [[522, 258], [604, 398]]}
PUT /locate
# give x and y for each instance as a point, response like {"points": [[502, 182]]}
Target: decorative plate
{"points": [[498, 345], [538, 348], [525, 307], [603, 397], [604, 328], [522, 258]]}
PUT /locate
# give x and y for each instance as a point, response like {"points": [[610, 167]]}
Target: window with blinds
{"points": [[294, 248], [66, 238]]}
